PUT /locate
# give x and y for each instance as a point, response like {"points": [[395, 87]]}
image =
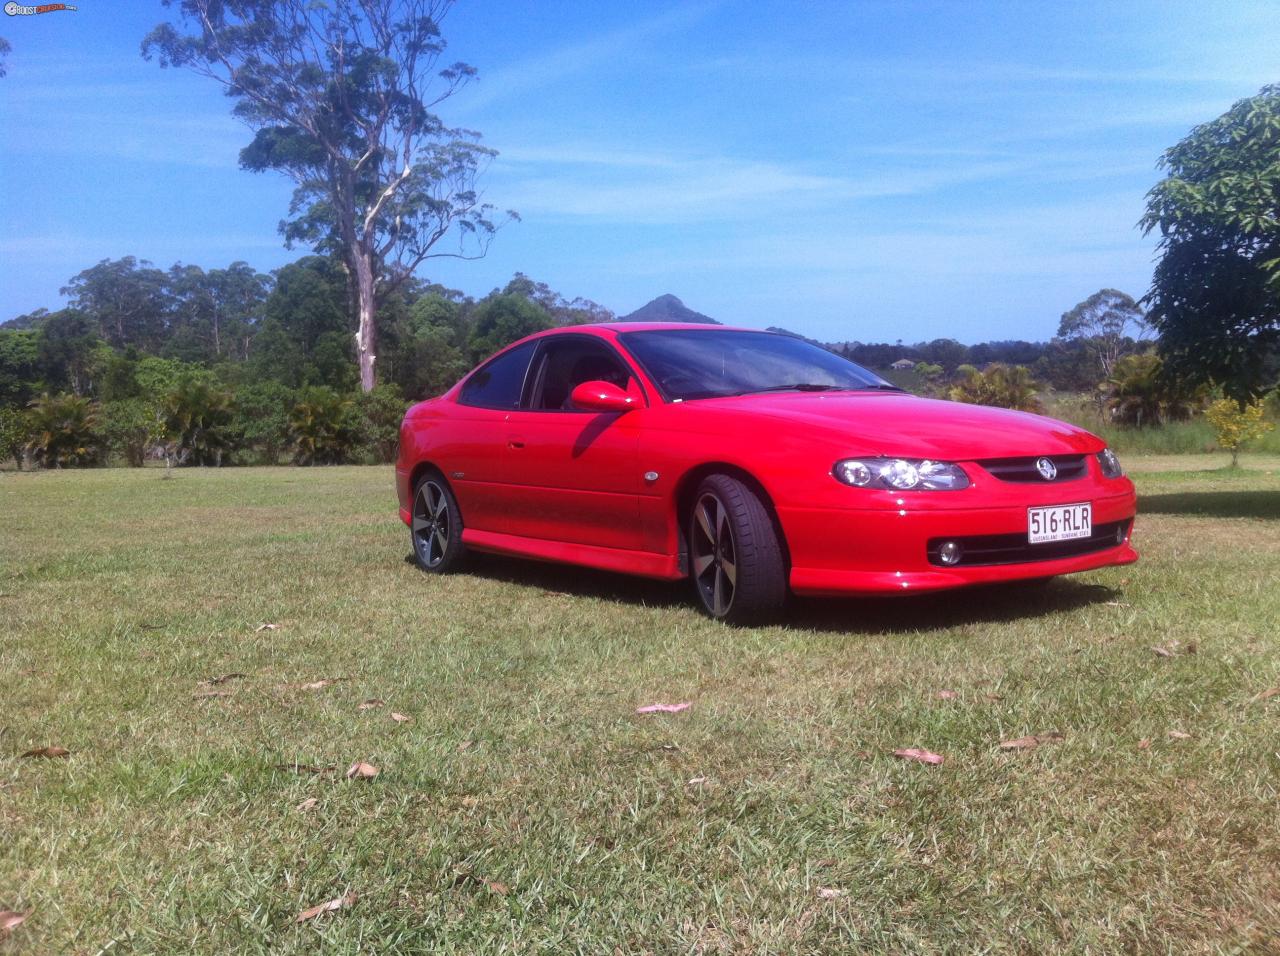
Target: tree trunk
{"points": [[367, 332]]}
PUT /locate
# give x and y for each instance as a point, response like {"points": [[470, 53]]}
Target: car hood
{"points": [[878, 423]]}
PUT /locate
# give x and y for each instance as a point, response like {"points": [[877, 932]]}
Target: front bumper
{"points": [[886, 550]]}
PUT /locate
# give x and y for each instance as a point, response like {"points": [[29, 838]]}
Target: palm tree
{"points": [[196, 421], [324, 426], [1139, 394], [1000, 385], [63, 432]]}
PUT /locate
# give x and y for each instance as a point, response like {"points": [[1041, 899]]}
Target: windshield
{"points": [[696, 363]]}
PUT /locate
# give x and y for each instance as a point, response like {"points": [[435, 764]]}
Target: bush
{"points": [[14, 432], [1003, 386], [196, 420], [381, 412], [261, 418], [1235, 424], [130, 426], [63, 432], [325, 427]]}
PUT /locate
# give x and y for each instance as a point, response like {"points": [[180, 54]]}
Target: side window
{"points": [[498, 383], [567, 364]]}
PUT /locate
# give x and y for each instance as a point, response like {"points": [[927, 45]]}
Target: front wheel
{"points": [[735, 556], [436, 527]]}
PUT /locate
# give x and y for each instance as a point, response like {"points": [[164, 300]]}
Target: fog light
{"points": [[949, 552], [1120, 534]]}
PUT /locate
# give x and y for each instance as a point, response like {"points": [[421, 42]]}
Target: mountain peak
{"points": [[667, 308]]}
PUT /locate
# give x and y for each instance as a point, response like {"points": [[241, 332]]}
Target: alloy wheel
{"points": [[715, 560], [431, 526]]}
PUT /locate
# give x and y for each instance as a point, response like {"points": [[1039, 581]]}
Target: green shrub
{"points": [[63, 432]]}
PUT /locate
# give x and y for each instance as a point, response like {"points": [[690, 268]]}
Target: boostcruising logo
{"points": [[18, 10]]}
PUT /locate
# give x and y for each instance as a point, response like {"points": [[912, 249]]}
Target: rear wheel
{"points": [[735, 557], [436, 526]]}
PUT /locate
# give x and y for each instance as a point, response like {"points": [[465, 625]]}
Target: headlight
{"points": [[901, 474], [1109, 464]]}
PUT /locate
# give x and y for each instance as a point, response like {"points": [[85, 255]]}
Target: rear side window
{"points": [[498, 383]]}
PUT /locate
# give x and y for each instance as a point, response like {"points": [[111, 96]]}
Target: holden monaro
{"points": [[755, 464]]}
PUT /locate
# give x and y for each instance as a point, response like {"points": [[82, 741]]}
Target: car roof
{"points": [[656, 327]]}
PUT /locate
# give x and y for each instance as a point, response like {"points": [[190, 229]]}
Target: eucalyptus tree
{"points": [[341, 97]]}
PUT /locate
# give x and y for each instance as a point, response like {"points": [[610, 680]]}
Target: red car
{"points": [[755, 464]]}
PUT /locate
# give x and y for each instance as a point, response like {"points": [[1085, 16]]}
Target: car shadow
{"points": [[989, 604], [1213, 504]]}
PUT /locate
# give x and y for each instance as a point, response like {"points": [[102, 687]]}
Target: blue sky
{"points": [[859, 170]]}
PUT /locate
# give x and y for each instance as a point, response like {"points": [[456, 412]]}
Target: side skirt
{"points": [[643, 563]]}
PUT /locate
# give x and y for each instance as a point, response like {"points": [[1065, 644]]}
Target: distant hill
{"points": [[667, 308]]}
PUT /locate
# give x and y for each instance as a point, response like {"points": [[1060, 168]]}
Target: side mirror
{"points": [[601, 397]]}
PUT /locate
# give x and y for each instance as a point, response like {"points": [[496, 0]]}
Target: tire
{"points": [[435, 529], [736, 562]]}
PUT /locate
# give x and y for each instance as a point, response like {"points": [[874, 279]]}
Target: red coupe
{"points": [[755, 464]]}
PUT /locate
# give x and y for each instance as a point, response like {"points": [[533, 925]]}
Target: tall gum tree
{"points": [[341, 97]]}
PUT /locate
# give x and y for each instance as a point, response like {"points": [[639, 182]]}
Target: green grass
{"points": [[172, 827]]}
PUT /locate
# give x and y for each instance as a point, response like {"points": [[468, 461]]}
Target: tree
{"points": [[578, 311], [130, 426], [69, 353], [503, 319], [1000, 385], [1108, 323], [19, 361], [195, 420], [304, 336], [63, 432], [1215, 293], [262, 418], [214, 313], [127, 298], [325, 427], [340, 96], [382, 411], [1235, 424], [14, 433], [1139, 394]]}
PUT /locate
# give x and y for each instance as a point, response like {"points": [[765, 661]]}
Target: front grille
{"points": [[1069, 468], [1014, 549]]}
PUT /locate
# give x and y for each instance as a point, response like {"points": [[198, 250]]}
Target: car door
{"points": [[574, 474], [472, 445]]}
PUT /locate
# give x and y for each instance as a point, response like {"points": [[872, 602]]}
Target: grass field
{"points": [[526, 808]]}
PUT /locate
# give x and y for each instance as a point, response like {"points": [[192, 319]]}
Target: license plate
{"points": [[1059, 523]]}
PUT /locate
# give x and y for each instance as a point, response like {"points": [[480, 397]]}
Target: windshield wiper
{"points": [[796, 387], [880, 387]]}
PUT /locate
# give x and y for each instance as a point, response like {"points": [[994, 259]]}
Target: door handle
{"points": [[515, 443]]}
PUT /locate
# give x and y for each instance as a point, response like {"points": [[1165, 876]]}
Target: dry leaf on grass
{"points": [[1035, 740], [266, 627], [495, 886], [1191, 648], [664, 708], [993, 697], [829, 893], [346, 899], [400, 718], [307, 804], [1266, 695], [362, 771], [214, 681], [696, 781], [370, 704], [1162, 651], [466, 745], [1144, 743], [1179, 735], [10, 920], [48, 752], [922, 756], [946, 695]]}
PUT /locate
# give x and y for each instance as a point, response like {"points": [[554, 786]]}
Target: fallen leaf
{"points": [[466, 745], [829, 893], [1266, 694], [1020, 743], [696, 781], [993, 697], [1144, 743], [1179, 735], [496, 887], [670, 748], [10, 920], [1115, 604], [266, 627], [48, 752], [1162, 651], [823, 863], [664, 708], [946, 695], [346, 899], [370, 704], [471, 802], [362, 771], [213, 681], [923, 756], [400, 718], [307, 804], [1191, 648]]}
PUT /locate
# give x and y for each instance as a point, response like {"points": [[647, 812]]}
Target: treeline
{"points": [[231, 365]]}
